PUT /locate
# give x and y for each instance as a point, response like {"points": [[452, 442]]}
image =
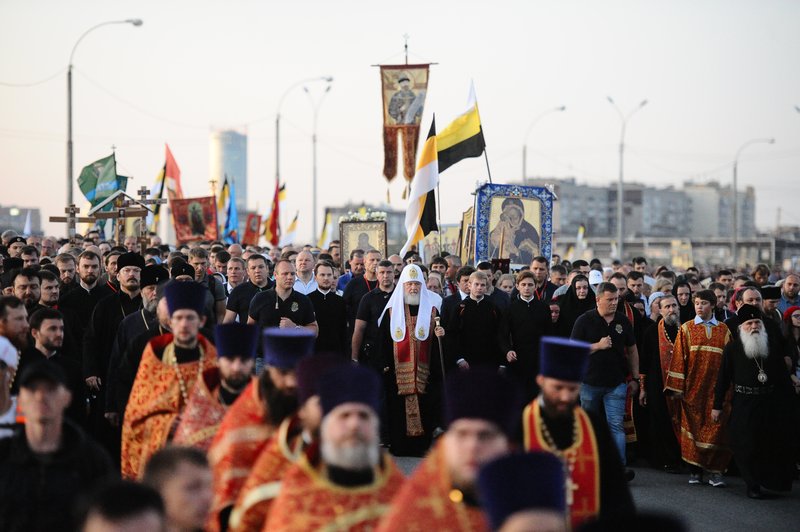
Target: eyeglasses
{"points": [[796, 316]]}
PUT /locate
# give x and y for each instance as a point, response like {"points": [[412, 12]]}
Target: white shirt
{"points": [[305, 288]]}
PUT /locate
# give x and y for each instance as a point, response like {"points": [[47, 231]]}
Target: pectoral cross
{"points": [[571, 489], [71, 220]]}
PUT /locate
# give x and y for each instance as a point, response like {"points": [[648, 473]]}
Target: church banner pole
{"points": [[439, 216], [486, 157]]}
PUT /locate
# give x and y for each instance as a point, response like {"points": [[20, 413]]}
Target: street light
{"points": [[735, 235], [315, 106], [132, 21], [329, 79], [527, 134], [624, 119]]}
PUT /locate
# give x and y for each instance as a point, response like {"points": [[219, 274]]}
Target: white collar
{"points": [[713, 321]]}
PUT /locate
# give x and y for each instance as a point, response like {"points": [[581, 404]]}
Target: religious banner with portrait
{"points": [[514, 222], [362, 235], [466, 236], [436, 242], [252, 230], [404, 88], [194, 219]]}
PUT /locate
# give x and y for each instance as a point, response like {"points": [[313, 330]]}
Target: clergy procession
{"points": [[396, 331], [527, 410]]}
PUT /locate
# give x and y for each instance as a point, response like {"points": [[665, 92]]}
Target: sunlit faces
{"points": [[234, 271], [304, 262], [66, 270], [539, 271], [684, 293], [477, 286], [582, 289], [324, 277], [200, 266], [703, 308], [751, 296], [257, 270], [27, 289], [525, 287], [49, 293], [129, 278], [285, 275], [411, 290], [607, 303], [357, 265], [50, 334], [385, 277], [791, 286], [89, 270]]}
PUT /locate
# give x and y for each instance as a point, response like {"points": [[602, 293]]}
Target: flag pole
{"points": [[439, 216], [486, 157]]}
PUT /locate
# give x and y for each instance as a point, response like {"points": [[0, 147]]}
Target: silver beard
{"points": [[352, 456], [755, 344], [672, 320], [411, 299]]}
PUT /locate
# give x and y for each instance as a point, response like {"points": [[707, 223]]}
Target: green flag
{"points": [[99, 180]]}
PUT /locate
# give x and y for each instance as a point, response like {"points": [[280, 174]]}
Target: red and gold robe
{"points": [[693, 372], [424, 504], [309, 501], [665, 351], [203, 414], [581, 459], [262, 486], [156, 402], [242, 435]]}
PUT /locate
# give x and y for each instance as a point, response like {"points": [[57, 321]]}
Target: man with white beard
{"points": [[346, 482], [763, 422]]}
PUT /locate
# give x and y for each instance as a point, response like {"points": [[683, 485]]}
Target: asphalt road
{"points": [[702, 507]]}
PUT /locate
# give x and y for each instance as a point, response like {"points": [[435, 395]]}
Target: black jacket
{"points": [[39, 492]]}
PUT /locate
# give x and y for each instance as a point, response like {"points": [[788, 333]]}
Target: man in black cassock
{"points": [[99, 340], [474, 329], [330, 311], [528, 319], [763, 423], [663, 410]]}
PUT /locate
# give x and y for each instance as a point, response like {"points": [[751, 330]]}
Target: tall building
{"points": [[712, 210], [228, 156]]}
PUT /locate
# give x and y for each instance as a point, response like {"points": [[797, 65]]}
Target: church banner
{"points": [[252, 230], [404, 88], [195, 219]]}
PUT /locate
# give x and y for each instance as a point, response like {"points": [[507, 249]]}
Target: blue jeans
{"points": [[613, 399]]}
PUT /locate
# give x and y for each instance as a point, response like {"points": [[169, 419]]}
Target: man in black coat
{"points": [[474, 329], [330, 311], [50, 462]]}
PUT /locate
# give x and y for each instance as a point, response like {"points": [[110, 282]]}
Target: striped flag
{"points": [[325, 237], [227, 204], [173, 176], [421, 211], [272, 227], [463, 137], [291, 232]]}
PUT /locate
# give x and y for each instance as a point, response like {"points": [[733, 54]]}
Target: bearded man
{"points": [[346, 482], [255, 416], [763, 422], [411, 363], [664, 411]]}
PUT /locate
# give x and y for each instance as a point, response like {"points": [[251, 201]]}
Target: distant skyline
{"points": [[716, 74]]}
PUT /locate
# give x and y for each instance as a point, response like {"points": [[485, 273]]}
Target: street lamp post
{"points": [[329, 79], [735, 233], [133, 21], [315, 105], [620, 188], [527, 134]]}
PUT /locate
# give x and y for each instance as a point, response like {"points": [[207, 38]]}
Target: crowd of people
{"points": [[221, 387]]}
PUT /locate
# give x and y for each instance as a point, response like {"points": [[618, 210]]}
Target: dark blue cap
{"points": [[188, 295], [310, 372], [283, 348], [480, 393], [563, 359], [349, 384], [236, 340], [520, 482]]}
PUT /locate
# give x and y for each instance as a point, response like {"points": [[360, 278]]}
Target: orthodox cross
{"points": [[71, 219], [124, 209], [143, 200]]}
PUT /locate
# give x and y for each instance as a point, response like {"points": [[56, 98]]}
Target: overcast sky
{"points": [[716, 74]]}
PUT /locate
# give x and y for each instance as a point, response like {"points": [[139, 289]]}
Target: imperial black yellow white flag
{"points": [[421, 211], [404, 88], [463, 137]]}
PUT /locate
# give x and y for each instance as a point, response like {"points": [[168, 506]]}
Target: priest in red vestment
{"points": [[553, 422], [294, 435], [170, 366], [255, 416], [482, 413], [346, 482], [220, 386]]}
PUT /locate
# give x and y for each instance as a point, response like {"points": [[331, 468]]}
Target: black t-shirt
{"points": [[268, 309], [607, 367], [240, 298], [369, 310]]}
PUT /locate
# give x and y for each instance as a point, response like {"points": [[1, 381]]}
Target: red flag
{"points": [[172, 174], [195, 219], [272, 227]]}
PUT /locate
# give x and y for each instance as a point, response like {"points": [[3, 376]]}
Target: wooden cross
{"points": [[123, 209], [143, 200], [71, 220]]}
